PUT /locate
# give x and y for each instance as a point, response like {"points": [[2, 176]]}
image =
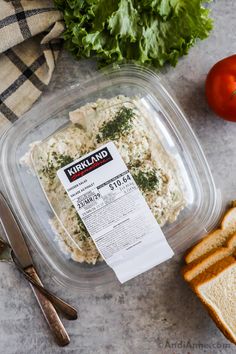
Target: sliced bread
{"points": [[215, 239], [232, 241], [229, 220], [216, 289], [198, 266]]}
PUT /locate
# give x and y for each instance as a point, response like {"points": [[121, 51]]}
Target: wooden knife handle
{"points": [[49, 311]]}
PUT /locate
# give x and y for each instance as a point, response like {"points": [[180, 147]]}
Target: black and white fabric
{"points": [[29, 46]]}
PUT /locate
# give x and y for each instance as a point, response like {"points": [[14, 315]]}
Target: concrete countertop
{"points": [[155, 313]]}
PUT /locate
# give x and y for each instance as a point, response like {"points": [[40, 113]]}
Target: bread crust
{"points": [[232, 241]]}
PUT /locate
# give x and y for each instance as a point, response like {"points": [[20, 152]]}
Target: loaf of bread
{"points": [[211, 273]]}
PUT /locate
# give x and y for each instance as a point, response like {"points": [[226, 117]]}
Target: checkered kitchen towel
{"points": [[29, 47]]}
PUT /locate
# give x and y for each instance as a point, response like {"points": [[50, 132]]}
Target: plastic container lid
{"points": [[34, 210]]}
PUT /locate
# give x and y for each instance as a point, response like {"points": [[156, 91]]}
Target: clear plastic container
{"points": [[34, 209]]}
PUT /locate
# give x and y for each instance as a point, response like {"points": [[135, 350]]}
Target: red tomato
{"points": [[221, 88]]}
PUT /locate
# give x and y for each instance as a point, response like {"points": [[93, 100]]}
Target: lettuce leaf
{"points": [[145, 31]]}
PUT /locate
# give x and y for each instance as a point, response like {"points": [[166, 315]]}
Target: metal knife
{"points": [[18, 244]]}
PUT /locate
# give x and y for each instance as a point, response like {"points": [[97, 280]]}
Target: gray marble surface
{"points": [[156, 312]]}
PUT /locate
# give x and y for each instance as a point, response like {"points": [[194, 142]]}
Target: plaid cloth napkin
{"points": [[29, 47]]}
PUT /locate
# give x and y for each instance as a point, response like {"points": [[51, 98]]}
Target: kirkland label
{"points": [[114, 212], [88, 164]]}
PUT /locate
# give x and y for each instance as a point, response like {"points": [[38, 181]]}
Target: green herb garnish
{"points": [[63, 160], [49, 169], [55, 164], [146, 181], [118, 126], [82, 227]]}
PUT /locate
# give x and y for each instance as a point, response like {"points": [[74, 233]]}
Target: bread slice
{"points": [[215, 239], [198, 266], [232, 241], [229, 219], [216, 289]]}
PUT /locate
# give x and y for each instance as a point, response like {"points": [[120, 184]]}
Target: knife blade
{"points": [[20, 249], [14, 234]]}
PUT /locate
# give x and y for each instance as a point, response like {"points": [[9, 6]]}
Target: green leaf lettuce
{"points": [[147, 32]]}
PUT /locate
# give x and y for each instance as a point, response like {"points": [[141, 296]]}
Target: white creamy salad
{"points": [[124, 121]]}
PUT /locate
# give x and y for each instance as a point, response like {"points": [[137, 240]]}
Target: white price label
{"points": [[115, 212]]}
